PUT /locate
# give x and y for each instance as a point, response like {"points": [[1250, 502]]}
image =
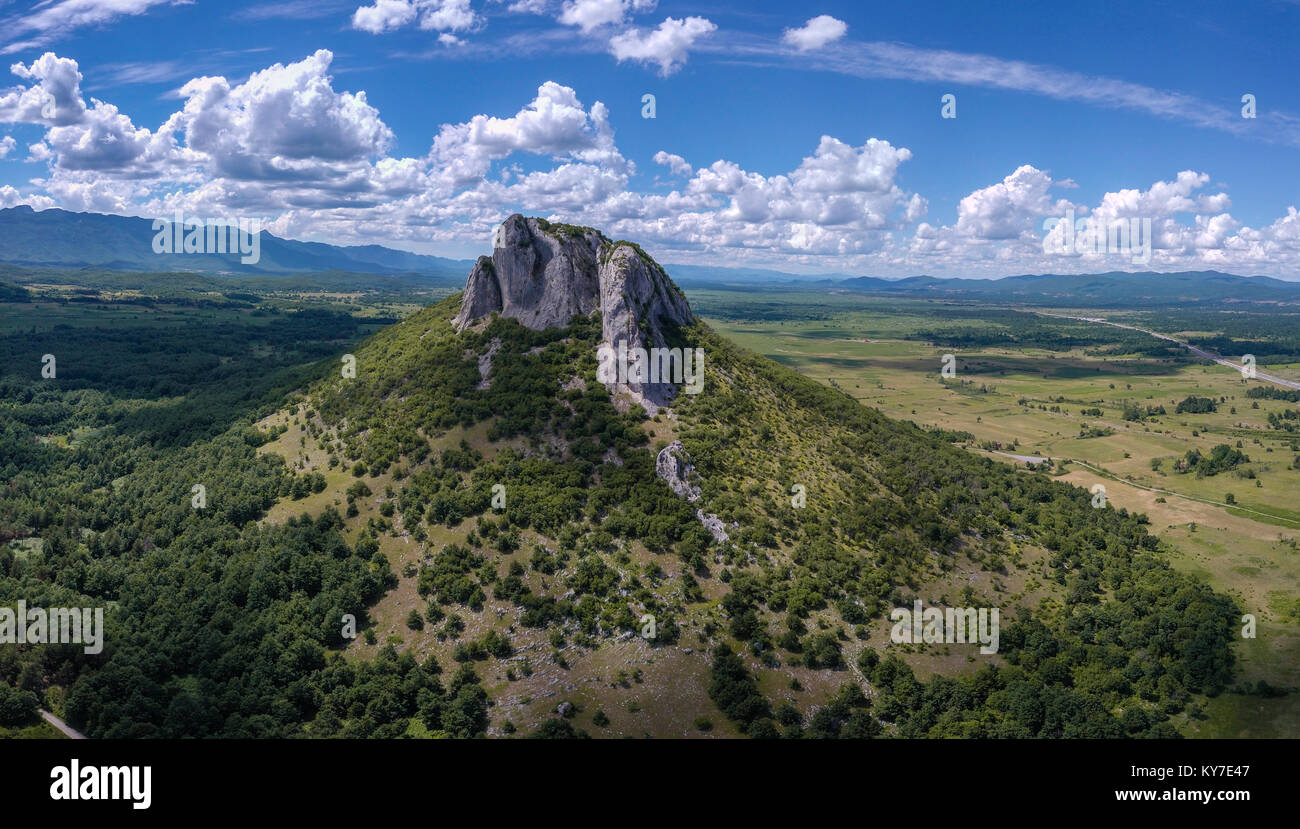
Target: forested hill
{"points": [[379, 496], [890, 510]]}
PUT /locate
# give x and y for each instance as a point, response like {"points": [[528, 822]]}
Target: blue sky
{"points": [[806, 138]]}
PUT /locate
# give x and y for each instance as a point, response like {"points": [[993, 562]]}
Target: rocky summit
{"points": [[543, 274]]}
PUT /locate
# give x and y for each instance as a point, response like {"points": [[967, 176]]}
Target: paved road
{"points": [[1199, 352], [1026, 458], [73, 734]]}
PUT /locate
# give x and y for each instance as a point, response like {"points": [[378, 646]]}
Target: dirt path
{"points": [[71, 732], [1105, 473]]}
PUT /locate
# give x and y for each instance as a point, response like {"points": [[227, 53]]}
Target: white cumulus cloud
{"points": [[1009, 208], [816, 33], [10, 196], [553, 124], [435, 15], [53, 98], [666, 45], [675, 163], [285, 121], [314, 161], [592, 14]]}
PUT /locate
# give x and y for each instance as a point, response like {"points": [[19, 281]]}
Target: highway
{"points": [[1199, 352]]}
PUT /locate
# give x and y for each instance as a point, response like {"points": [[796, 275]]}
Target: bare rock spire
{"points": [[544, 274]]}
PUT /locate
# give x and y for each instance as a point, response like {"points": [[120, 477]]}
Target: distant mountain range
{"points": [[703, 276], [1117, 288], [59, 238], [1095, 290]]}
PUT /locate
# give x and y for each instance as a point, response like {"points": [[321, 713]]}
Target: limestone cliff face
{"points": [[543, 275], [637, 298], [538, 277]]}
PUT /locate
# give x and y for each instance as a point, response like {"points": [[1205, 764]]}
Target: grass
{"points": [[588, 681], [1231, 716], [37, 731]]}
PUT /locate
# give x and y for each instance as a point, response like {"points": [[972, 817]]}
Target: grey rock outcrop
{"points": [[544, 274], [713, 524], [674, 467], [536, 274]]}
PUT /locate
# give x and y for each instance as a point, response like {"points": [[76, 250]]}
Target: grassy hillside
{"points": [[1096, 626]]}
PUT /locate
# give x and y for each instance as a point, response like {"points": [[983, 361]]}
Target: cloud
{"points": [[834, 196], [105, 140], [54, 98], [436, 15], [283, 137], [1000, 229], [1009, 208], [131, 72], [816, 33], [51, 20], [292, 10], [315, 162], [840, 200], [11, 197], [553, 124], [527, 6], [666, 45], [448, 15], [1163, 199], [383, 16], [917, 207], [904, 62], [286, 121], [592, 14], [80, 137], [95, 194], [675, 163]]}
